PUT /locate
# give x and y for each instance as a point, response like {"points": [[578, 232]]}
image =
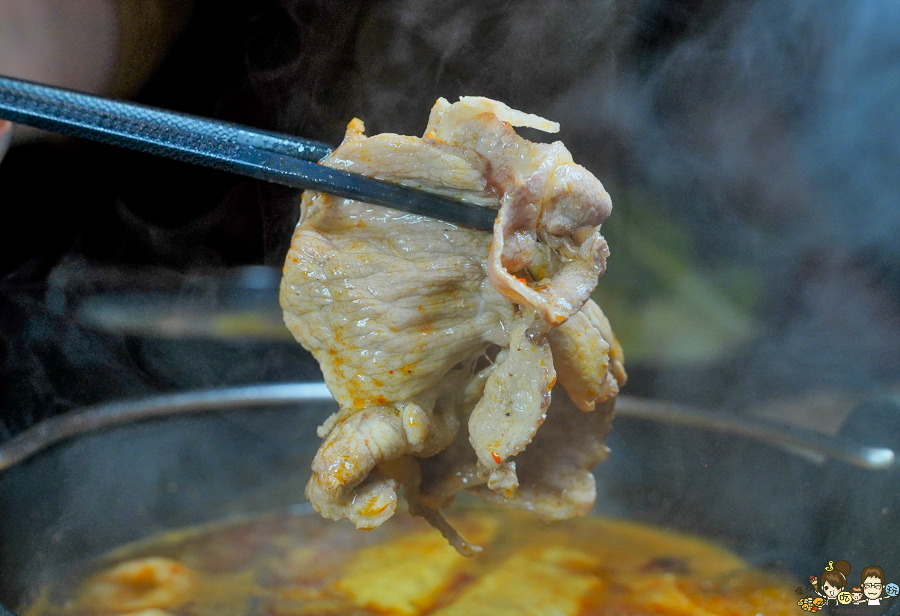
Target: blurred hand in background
{"points": [[107, 47]]}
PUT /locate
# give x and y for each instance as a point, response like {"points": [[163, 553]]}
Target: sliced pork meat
{"points": [[587, 357], [442, 344]]}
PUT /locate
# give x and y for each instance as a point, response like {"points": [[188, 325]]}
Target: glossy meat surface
{"points": [[442, 344]]}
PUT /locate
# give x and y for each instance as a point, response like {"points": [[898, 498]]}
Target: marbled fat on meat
{"points": [[442, 344]]}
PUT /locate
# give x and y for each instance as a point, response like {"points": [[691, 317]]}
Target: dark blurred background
{"points": [[751, 149]]}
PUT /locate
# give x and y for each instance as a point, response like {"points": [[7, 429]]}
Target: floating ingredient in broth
{"points": [[538, 581], [405, 576], [442, 344], [143, 584]]}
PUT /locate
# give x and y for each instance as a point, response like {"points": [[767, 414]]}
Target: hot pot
{"points": [[78, 485]]}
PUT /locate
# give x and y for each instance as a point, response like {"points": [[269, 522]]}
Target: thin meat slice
{"points": [[441, 344], [555, 480], [513, 405], [543, 195], [587, 357]]}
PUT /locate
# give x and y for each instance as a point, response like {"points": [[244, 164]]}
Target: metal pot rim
{"points": [[815, 447]]}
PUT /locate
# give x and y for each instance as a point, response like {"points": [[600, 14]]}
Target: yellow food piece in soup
{"points": [[532, 581], [406, 575], [401, 577]]}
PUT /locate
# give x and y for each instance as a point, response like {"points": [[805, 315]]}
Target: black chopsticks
{"points": [[264, 155]]}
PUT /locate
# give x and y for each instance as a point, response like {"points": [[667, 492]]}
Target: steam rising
{"points": [[761, 137], [769, 130]]}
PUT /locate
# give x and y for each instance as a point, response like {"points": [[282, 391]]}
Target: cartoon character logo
{"points": [[831, 584], [873, 584]]}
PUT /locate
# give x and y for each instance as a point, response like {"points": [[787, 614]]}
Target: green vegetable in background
{"points": [[664, 305]]}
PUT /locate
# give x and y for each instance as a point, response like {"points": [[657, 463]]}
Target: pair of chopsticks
{"points": [[263, 155]]}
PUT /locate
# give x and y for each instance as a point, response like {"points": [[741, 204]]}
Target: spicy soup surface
{"points": [[286, 565]]}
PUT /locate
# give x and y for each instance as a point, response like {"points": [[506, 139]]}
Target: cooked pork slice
{"points": [[516, 394], [587, 357], [555, 480], [543, 195], [434, 338], [553, 475]]}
